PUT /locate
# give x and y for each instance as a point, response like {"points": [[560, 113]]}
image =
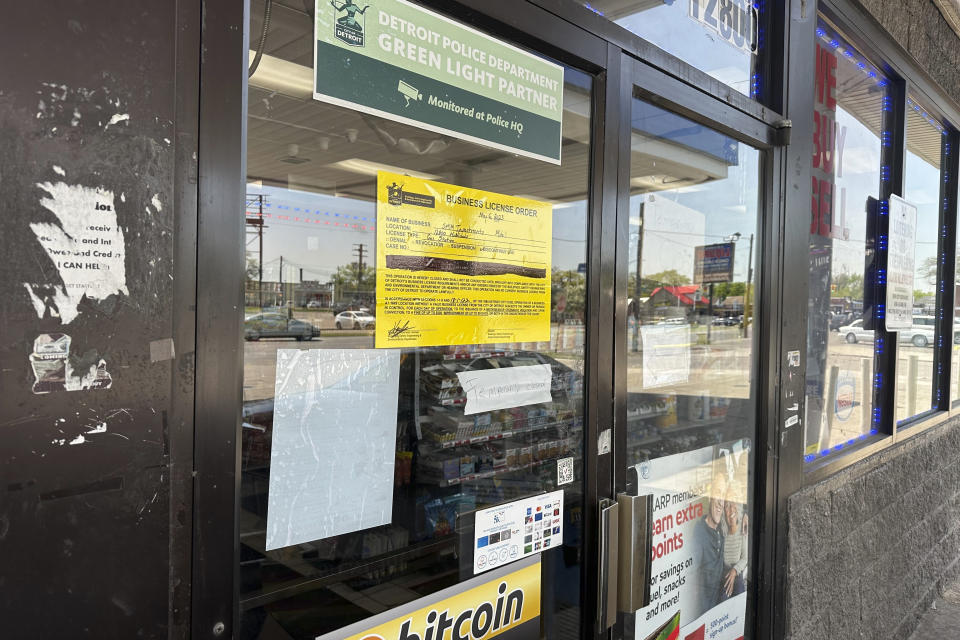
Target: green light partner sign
{"points": [[393, 59]]}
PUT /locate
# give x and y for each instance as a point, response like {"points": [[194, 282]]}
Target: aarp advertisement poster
{"points": [[701, 520]]}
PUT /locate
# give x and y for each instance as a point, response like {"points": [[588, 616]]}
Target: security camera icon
{"points": [[409, 92]]}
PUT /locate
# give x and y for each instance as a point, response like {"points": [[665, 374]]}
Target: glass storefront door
{"points": [[414, 453], [691, 341], [381, 481]]}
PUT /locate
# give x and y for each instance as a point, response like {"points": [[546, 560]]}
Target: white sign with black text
{"points": [[901, 264]]}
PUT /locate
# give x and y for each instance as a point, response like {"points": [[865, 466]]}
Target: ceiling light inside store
{"points": [[367, 168], [409, 145], [289, 78], [663, 182], [293, 155]]}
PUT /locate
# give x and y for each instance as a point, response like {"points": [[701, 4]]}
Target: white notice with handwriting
{"points": [[492, 389]]}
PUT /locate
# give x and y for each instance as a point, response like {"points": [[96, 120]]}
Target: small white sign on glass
{"points": [[516, 530], [493, 389], [901, 264]]}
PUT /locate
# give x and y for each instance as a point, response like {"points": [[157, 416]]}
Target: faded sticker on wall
{"points": [[87, 247], [55, 370]]}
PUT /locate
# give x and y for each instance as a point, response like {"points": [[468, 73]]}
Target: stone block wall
{"points": [[869, 547], [923, 31]]}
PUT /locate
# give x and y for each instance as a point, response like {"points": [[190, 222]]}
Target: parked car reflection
{"points": [[839, 319], [921, 334], [276, 325], [355, 320]]}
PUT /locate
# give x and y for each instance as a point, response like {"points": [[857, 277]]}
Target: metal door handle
{"points": [[608, 554], [636, 559]]}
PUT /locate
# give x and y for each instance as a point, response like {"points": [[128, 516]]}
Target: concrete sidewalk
{"points": [[942, 619]]}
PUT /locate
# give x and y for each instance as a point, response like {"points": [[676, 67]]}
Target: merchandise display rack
{"points": [[493, 472], [661, 431], [447, 444]]}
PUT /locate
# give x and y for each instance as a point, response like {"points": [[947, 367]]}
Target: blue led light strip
{"points": [[926, 116], [851, 54], [823, 453]]}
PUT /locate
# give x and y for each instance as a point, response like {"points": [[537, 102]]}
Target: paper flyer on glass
{"points": [[666, 355], [460, 266], [333, 443], [701, 519]]}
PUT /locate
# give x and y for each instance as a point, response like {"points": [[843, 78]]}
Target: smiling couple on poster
{"points": [[700, 564]]}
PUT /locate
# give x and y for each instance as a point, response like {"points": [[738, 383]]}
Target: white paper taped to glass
{"points": [[492, 389], [333, 443], [666, 355]]}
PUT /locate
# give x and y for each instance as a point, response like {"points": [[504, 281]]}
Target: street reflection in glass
{"points": [[926, 145], [691, 336]]}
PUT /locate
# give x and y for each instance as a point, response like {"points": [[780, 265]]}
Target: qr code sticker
{"points": [[564, 471]]}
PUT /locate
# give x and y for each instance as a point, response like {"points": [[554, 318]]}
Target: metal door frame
{"points": [[641, 80]]}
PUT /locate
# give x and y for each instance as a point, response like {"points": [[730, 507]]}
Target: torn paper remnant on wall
{"points": [[85, 244], [55, 370]]}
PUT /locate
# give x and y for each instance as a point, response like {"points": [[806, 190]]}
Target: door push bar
{"points": [[626, 537], [636, 557], [608, 564]]}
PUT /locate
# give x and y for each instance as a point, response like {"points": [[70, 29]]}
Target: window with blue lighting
{"points": [[852, 103], [917, 360]]}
